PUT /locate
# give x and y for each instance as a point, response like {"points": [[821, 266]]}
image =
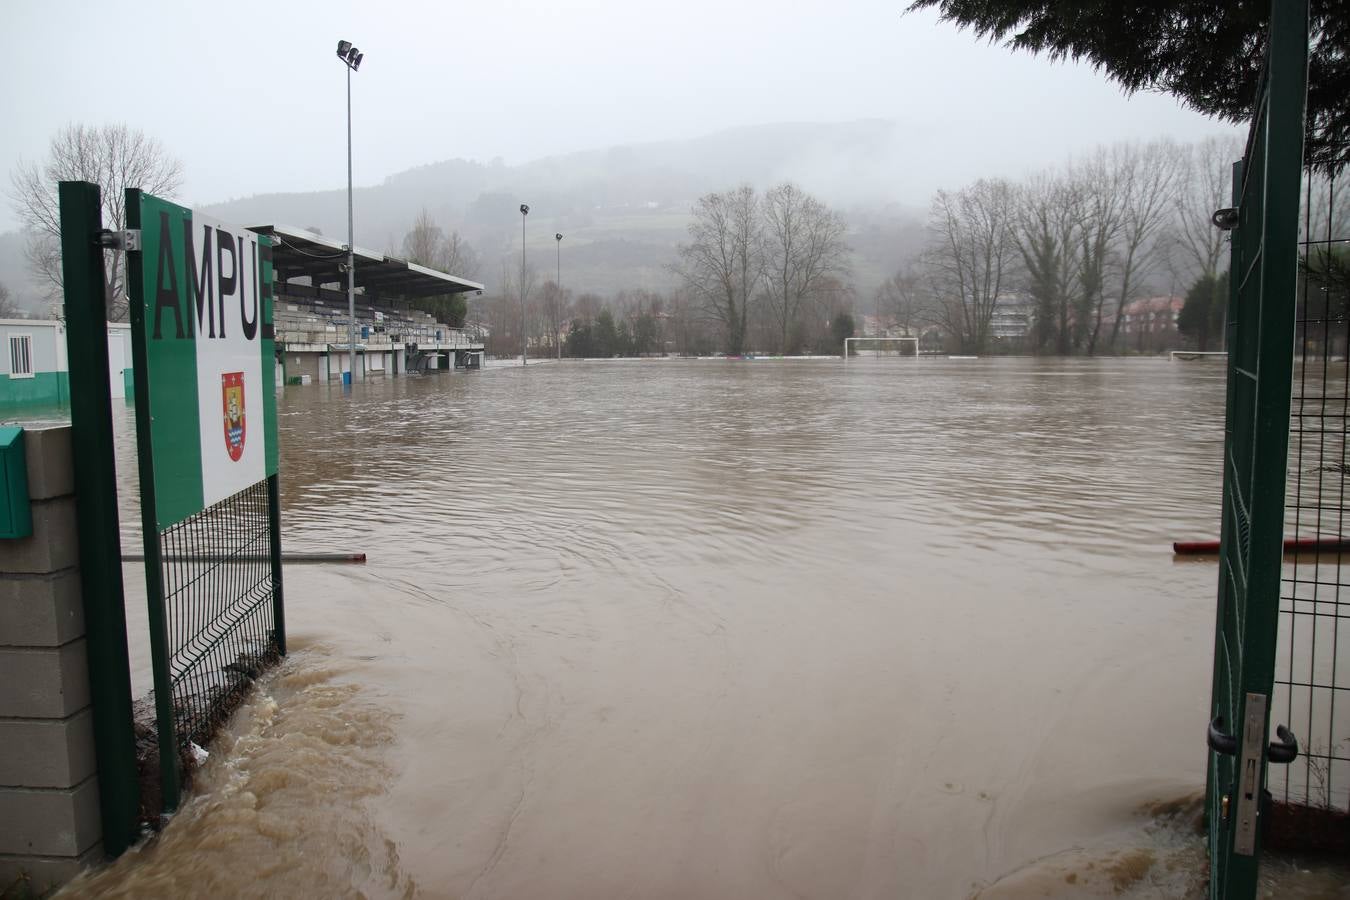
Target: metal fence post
{"points": [[160, 653], [274, 529], [96, 502]]}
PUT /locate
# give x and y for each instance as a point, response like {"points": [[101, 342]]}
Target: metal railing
{"points": [[301, 328]]}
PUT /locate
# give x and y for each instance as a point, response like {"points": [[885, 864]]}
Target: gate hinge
{"points": [[127, 240], [1225, 219]]}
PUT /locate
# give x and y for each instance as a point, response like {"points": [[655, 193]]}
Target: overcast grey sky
{"points": [[250, 96]]}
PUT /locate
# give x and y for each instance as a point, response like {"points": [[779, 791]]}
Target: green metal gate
{"points": [[1260, 328], [212, 537], [212, 543], [1311, 798]]}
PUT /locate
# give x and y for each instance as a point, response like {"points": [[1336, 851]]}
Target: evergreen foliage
{"points": [[1206, 53], [842, 326], [1202, 315]]}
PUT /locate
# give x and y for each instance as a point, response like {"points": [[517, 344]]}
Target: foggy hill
{"points": [[14, 274], [623, 209]]}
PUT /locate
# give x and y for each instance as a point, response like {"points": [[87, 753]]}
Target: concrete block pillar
{"points": [[49, 805]]}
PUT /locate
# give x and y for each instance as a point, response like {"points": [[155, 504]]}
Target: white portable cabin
{"points": [[34, 368]]}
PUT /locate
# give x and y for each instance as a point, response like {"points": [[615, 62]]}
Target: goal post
{"points": [[890, 346], [1198, 354]]}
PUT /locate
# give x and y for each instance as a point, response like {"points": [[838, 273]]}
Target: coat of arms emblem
{"points": [[232, 399]]}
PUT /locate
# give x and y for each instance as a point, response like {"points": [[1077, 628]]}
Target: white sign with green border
{"points": [[203, 312]]}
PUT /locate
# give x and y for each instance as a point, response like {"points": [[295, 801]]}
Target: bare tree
{"points": [[723, 263], [8, 308], [519, 313], [1194, 246], [554, 301], [904, 300], [1102, 197], [460, 258], [969, 256], [1147, 178], [803, 245], [425, 243], [502, 311], [687, 325], [476, 313], [1087, 236], [1048, 214], [588, 306], [836, 300], [115, 158]]}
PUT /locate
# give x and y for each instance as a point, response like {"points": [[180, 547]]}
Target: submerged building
{"points": [[399, 329]]}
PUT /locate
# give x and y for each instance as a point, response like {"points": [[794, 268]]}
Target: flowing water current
{"points": [[702, 629]]}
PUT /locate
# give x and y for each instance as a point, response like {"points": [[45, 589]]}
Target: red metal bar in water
{"points": [[1291, 545]]}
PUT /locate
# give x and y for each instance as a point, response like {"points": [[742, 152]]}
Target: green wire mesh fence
{"points": [[1312, 674], [218, 601]]}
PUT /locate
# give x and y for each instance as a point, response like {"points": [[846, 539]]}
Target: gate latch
{"points": [[1225, 219], [1249, 765], [1249, 772], [1284, 750]]}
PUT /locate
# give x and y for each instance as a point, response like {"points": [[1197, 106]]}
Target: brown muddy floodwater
{"points": [[699, 629]]}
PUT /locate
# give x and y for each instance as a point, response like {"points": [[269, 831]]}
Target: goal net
{"points": [[880, 346]]}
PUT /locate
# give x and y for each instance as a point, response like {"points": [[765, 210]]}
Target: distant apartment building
{"points": [[884, 326], [878, 327], [1150, 325], [1012, 318]]}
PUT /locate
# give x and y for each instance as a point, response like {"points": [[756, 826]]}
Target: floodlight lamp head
{"points": [[524, 209], [343, 48], [356, 60], [558, 236]]}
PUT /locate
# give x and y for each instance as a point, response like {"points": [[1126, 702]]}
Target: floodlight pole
{"points": [[559, 298], [351, 57], [351, 245], [524, 337]]}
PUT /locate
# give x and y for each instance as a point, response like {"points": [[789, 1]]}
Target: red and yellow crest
{"points": [[232, 400]]}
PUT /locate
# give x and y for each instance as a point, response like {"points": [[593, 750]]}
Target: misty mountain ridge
{"points": [[624, 208], [851, 164]]}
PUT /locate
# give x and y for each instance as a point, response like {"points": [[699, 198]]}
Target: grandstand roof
{"points": [[298, 253]]}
